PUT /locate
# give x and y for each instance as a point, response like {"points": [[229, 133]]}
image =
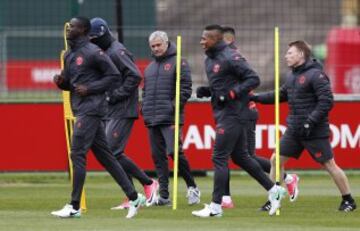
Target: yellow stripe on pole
{"points": [[177, 120], [69, 120], [277, 109]]}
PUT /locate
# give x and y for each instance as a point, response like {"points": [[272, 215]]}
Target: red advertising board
{"points": [[38, 74], [31, 74], [342, 61], [33, 138]]}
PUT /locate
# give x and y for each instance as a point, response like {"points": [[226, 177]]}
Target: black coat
{"points": [[125, 90], [308, 92], [251, 112], [227, 70], [158, 107], [87, 64]]}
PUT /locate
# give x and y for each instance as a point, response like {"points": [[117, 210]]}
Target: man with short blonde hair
{"points": [[308, 92]]}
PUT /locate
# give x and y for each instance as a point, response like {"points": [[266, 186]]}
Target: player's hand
{"points": [[81, 90], [58, 79], [223, 98], [254, 98], [203, 92]]}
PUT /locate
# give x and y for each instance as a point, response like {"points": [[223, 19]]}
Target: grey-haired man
{"points": [[158, 109]]}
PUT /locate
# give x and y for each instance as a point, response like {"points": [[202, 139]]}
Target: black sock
{"points": [[75, 205], [285, 175], [149, 182], [133, 197], [348, 197]]}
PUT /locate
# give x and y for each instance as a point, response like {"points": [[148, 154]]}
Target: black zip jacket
{"points": [[86, 64], [159, 89], [308, 92], [125, 90], [251, 112], [228, 71]]}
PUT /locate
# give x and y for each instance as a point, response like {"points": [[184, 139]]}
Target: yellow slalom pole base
{"points": [[83, 202]]}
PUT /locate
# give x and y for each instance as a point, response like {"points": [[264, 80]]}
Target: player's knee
{"points": [[219, 160], [240, 159], [330, 165], [236, 161], [120, 156], [158, 157], [78, 159]]}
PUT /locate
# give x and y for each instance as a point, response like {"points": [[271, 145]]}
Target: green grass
{"points": [[45, 96], [26, 200]]}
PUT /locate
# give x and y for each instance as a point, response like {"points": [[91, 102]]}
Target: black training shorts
{"points": [[319, 148]]}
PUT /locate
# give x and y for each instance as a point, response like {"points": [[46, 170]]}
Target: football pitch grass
{"points": [[26, 200]]}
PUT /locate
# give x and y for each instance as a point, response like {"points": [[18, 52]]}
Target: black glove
{"points": [[110, 99], [231, 95], [254, 98], [306, 128], [203, 92], [58, 79], [221, 100]]}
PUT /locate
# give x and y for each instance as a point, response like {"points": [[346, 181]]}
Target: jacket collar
{"points": [[233, 46], [310, 63], [213, 51], [77, 43], [104, 42]]}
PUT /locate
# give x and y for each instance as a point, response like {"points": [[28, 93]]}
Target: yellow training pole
{"points": [[69, 120], [66, 104], [277, 110], [177, 118]]}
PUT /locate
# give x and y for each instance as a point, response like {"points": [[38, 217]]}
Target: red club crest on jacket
{"points": [[302, 79], [216, 68], [220, 131], [79, 60], [318, 154], [115, 134], [167, 67]]}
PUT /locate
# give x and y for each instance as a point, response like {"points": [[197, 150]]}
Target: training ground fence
{"points": [[31, 36]]}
